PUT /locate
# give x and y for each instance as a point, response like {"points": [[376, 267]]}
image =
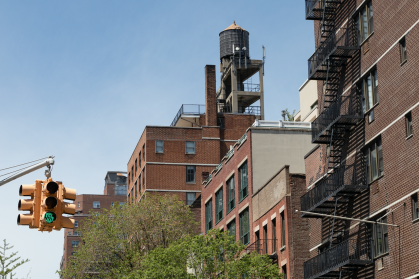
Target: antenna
{"points": [[263, 63]]}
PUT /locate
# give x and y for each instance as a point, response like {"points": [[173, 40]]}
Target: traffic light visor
{"points": [[25, 205], [24, 219], [52, 187]]}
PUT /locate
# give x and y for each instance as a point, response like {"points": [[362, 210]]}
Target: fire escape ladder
{"points": [[328, 20]]}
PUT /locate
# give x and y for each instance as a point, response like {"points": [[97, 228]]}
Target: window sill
{"points": [[282, 248], [366, 40], [410, 136], [415, 221], [381, 256], [243, 198], [404, 62], [190, 153], [378, 178], [228, 212], [370, 109], [194, 183], [219, 221]]}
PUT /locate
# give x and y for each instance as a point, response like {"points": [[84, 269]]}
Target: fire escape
{"points": [[339, 113]]}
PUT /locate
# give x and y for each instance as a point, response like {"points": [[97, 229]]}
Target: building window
{"points": [[219, 205], [144, 152], [230, 194], [78, 205], [282, 229], [374, 160], [159, 146], [415, 207], [96, 204], [243, 181], [135, 166], [208, 215], [76, 224], [365, 23], [380, 237], [221, 122], [409, 130], [144, 178], [190, 198], [231, 228], [74, 243], [265, 239], [121, 203], [403, 52], [274, 235], [244, 227], [369, 91], [284, 271], [189, 147], [139, 159], [111, 204], [190, 174]]}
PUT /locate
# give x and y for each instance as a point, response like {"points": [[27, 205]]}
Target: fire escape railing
{"points": [[346, 110], [351, 252], [264, 247], [350, 180], [315, 8], [341, 44]]}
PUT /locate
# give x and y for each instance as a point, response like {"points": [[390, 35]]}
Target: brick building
{"points": [[258, 182], [114, 193], [176, 159], [365, 164]]}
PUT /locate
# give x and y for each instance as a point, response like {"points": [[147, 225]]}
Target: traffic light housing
{"points": [[46, 205], [53, 206], [32, 205]]}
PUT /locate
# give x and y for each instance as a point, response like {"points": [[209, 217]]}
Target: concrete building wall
{"points": [[308, 99], [274, 148]]}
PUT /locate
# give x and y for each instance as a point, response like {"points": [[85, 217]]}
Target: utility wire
{"points": [[24, 164], [17, 170]]}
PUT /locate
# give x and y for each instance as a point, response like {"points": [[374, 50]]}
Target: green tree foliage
{"points": [[289, 115], [9, 263], [113, 243], [215, 255]]}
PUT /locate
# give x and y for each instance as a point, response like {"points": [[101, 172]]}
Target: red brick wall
{"points": [[210, 96]]}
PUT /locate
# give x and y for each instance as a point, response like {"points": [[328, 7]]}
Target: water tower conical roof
{"points": [[234, 26]]}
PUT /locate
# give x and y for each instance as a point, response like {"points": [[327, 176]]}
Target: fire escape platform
{"points": [[323, 137], [314, 8]]}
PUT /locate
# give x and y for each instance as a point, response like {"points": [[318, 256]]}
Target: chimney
{"points": [[210, 96]]}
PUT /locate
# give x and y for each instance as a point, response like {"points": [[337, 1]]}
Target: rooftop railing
{"points": [[353, 252], [282, 124], [224, 108], [188, 109]]}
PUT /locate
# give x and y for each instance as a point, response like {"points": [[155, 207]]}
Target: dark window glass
{"points": [[220, 122], [284, 271], [364, 22], [219, 205], [208, 215], [243, 181], [144, 152], [415, 207], [374, 160], [282, 228], [274, 235], [244, 227], [265, 239], [190, 198], [190, 174], [409, 130], [380, 237], [139, 160], [403, 52], [135, 166], [231, 227], [230, 194]]}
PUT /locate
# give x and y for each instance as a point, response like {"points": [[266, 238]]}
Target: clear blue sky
{"points": [[81, 79]]}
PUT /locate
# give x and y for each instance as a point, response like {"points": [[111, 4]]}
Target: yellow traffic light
{"points": [[53, 206], [32, 205]]}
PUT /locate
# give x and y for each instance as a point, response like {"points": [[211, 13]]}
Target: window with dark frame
{"points": [[74, 243], [208, 216], [231, 227], [220, 122], [369, 90], [244, 227], [230, 194], [364, 22], [144, 152], [265, 239], [219, 205], [76, 224], [282, 229], [243, 182], [144, 178], [284, 271], [403, 51], [374, 160], [380, 234], [139, 159], [190, 198], [135, 166], [409, 130], [189, 147], [274, 235], [159, 146], [190, 174], [415, 206]]}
